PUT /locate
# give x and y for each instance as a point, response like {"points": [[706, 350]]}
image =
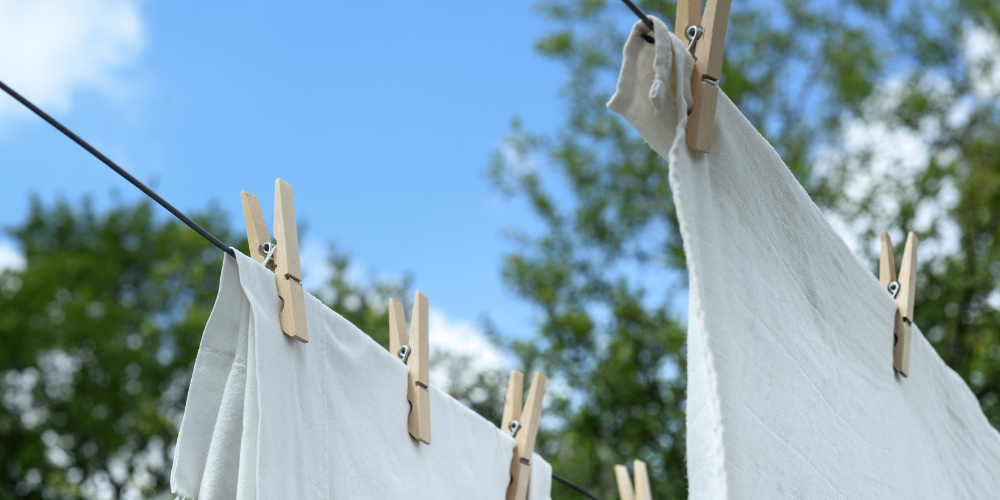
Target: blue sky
{"points": [[381, 115]]}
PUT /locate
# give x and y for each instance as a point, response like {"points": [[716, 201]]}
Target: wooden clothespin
{"points": [[281, 257], [415, 354], [641, 491], [709, 43], [523, 427], [903, 290]]}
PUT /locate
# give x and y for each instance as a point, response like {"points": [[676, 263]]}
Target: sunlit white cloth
{"points": [[270, 418], [791, 390]]}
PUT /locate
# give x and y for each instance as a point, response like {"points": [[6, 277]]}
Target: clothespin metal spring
{"points": [[268, 249], [693, 34], [514, 427]]}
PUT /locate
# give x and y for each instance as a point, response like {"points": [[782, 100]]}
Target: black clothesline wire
{"points": [[107, 161], [642, 16], [170, 208], [640, 13], [200, 230], [578, 489]]}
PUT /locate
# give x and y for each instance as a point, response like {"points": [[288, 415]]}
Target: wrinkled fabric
{"points": [[270, 418], [791, 390]]}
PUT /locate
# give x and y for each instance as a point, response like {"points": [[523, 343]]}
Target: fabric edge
{"points": [[178, 485], [713, 457]]}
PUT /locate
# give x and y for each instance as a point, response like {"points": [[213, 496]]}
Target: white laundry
{"points": [[270, 418], [540, 479], [791, 390]]}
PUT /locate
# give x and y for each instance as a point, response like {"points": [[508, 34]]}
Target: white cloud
{"points": [[847, 230], [52, 48], [461, 339], [317, 272], [883, 159], [455, 339], [982, 52], [10, 258], [464, 339], [892, 156], [315, 265], [516, 158]]}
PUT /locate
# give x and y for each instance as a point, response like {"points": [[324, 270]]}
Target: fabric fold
{"points": [[212, 371]]}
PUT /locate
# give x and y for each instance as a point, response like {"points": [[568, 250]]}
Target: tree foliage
{"points": [[99, 334], [99, 331], [886, 111]]}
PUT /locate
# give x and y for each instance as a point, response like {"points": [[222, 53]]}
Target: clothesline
{"points": [[643, 17], [107, 161], [173, 210], [149, 192]]}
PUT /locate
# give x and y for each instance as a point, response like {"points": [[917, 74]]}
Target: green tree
{"points": [[99, 331], [843, 90], [99, 334]]}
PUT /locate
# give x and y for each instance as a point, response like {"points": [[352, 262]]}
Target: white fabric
{"points": [[270, 418], [791, 390], [540, 479]]}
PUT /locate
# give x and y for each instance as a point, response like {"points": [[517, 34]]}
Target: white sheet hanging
{"points": [[270, 418], [791, 390]]}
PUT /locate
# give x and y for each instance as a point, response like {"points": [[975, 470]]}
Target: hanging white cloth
{"points": [[791, 390], [270, 418]]}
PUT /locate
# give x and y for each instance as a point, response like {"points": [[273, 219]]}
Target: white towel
{"points": [[270, 418], [540, 479], [791, 390]]}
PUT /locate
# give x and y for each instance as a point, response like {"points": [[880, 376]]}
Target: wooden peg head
{"points": [[904, 289], [418, 381], [512, 401], [886, 262], [908, 278], [419, 342], [286, 231], [287, 271], [711, 48], [530, 415], [257, 235], [397, 327], [520, 468], [708, 54], [625, 490], [641, 491], [688, 14]]}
